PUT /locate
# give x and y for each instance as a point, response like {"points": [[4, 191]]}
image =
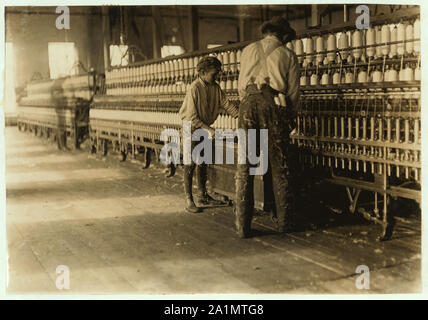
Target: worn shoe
{"points": [[191, 207], [207, 200], [242, 230], [284, 228], [243, 234]]}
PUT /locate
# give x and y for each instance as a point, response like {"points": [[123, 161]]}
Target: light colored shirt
{"points": [[203, 103], [268, 61]]}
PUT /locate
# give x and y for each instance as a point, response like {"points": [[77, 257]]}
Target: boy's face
{"points": [[210, 75]]}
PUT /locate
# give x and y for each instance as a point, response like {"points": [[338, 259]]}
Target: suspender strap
{"points": [[262, 63]]}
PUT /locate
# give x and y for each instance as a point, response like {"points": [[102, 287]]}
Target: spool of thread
{"points": [[299, 50], [233, 61], [314, 80], [402, 75], [336, 78], [238, 59], [377, 76], [195, 64], [357, 41], [386, 37], [417, 75], [303, 80], [226, 61], [362, 76], [175, 68], [392, 75], [220, 57], [235, 84], [319, 48], [228, 85], [343, 44], [417, 35], [378, 41], [349, 77], [191, 67], [331, 45], [181, 67], [158, 70], [186, 66], [325, 79], [408, 74], [393, 48], [409, 36], [370, 40], [401, 36], [309, 50]]}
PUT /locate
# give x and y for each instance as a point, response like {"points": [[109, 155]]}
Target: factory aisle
{"points": [[120, 229]]}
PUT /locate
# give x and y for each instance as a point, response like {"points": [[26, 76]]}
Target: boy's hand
{"points": [[212, 133]]}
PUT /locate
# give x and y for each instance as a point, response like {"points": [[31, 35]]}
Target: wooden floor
{"points": [[121, 229]]}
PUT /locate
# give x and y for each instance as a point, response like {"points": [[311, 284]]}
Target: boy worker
{"points": [[202, 104]]}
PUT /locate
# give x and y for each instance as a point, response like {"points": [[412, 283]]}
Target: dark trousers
{"points": [[258, 111], [201, 179], [201, 176]]}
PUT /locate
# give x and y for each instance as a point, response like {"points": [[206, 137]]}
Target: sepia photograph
{"points": [[204, 149]]}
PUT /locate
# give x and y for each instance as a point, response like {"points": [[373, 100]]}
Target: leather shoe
{"points": [[207, 200], [191, 207]]}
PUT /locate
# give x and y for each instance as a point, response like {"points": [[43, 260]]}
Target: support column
{"points": [[157, 32], [106, 36], [315, 16], [244, 28], [193, 28]]}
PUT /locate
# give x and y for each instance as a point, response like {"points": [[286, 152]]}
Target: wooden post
{"points": [[157, 32], [193, 28], [106, 36], [315, 21], [244, 29]]}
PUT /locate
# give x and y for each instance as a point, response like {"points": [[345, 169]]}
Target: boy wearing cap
{"points": [[268, 69], [201, 106]]}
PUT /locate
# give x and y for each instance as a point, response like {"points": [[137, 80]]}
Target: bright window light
{"points": [[210, 46], [9, 86], [171, 51], [63, 59], [119, 55]]}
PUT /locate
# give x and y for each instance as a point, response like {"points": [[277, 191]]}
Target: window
{"points": [[63, 59], [9, 86], [171, 51], [119, 55]]}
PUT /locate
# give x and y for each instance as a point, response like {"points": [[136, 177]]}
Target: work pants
{"points": [[258, 111]]}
